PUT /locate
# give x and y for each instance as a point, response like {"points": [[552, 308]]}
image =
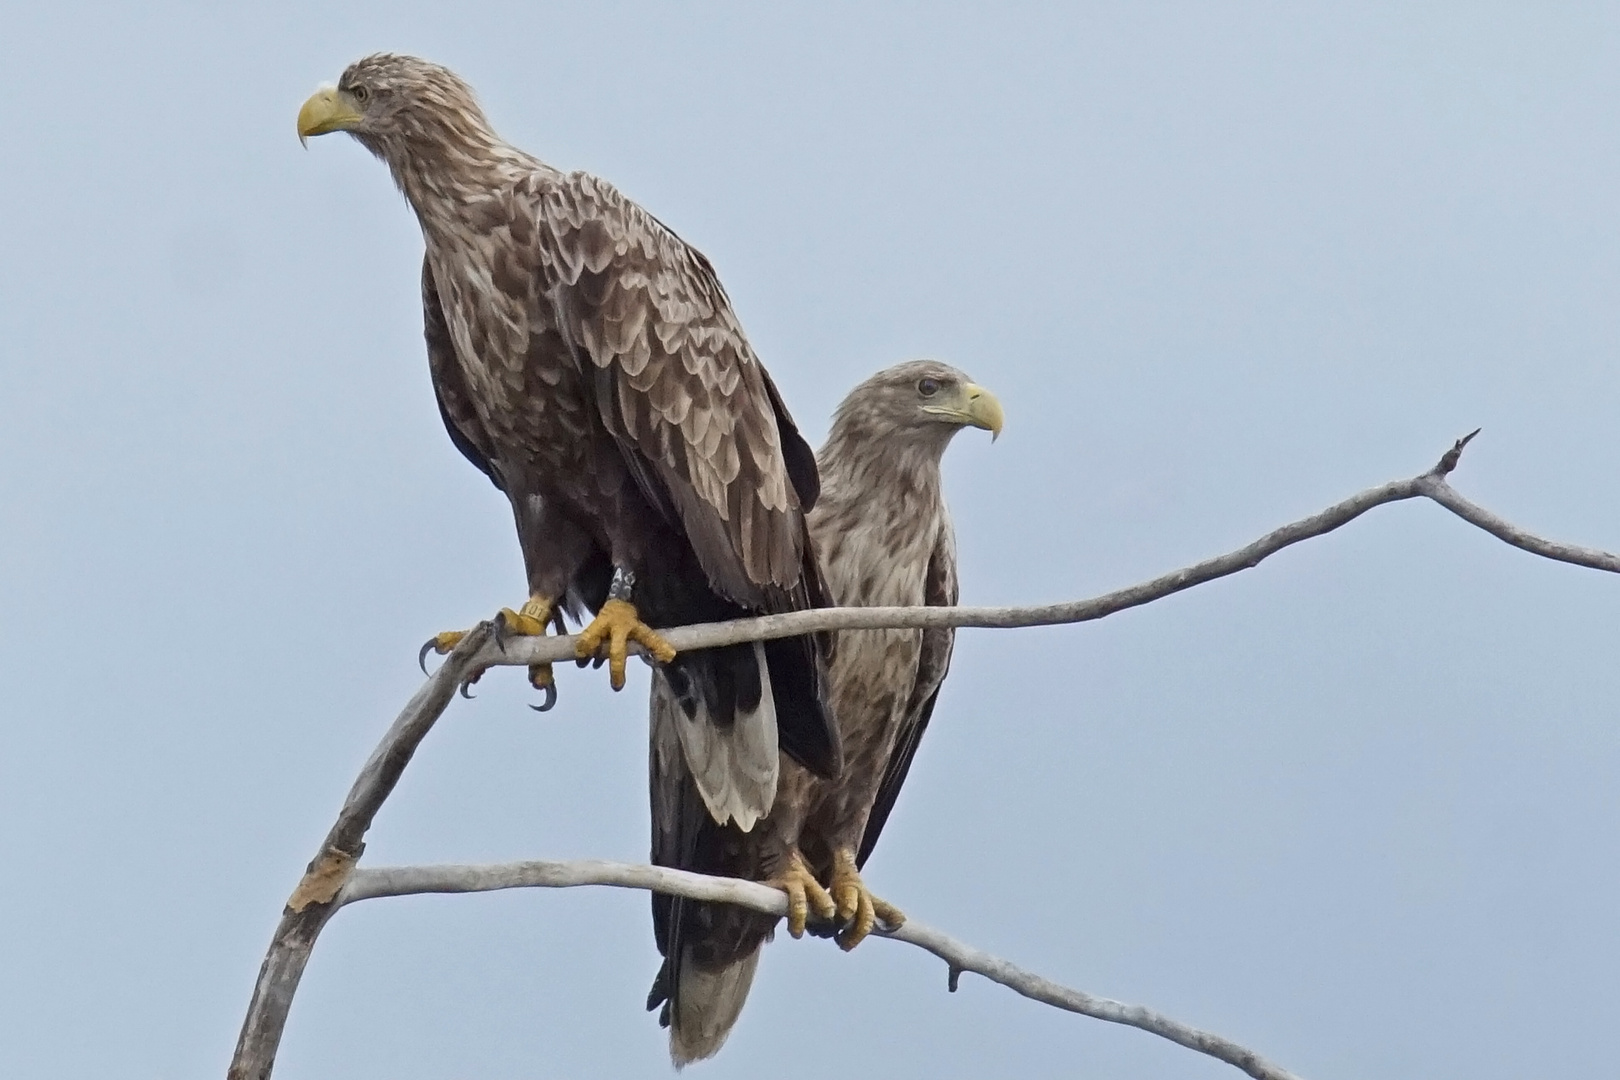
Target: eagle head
{"points": [[387, 99], [925, 398]]}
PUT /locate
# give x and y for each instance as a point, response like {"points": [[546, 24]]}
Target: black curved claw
{"points": [[421, 654], [466, 686], [550, 702]]}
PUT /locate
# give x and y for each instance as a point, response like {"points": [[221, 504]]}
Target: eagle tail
{"points": [[727, 722], [702, 1009], [710, 950]]}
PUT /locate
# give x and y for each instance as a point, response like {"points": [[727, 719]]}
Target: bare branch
{"points": [[1448, 497], [367, 884], [311, 904], [331, 878], [1431, 485], [534, 650]]}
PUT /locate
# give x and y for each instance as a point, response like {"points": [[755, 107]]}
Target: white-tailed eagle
{"points": [[587, 360], [884, 537]]}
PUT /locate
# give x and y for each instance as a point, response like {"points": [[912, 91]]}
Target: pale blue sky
{"points": [[1224, 264]]}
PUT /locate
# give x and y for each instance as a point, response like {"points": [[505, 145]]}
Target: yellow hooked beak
{"points": [[975, 406], [328, 109]]}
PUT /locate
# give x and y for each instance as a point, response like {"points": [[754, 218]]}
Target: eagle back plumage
{"points": [[588, 361], [586, 334]]}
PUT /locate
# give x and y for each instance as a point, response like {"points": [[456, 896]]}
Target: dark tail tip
{"points": [[659, 994]]}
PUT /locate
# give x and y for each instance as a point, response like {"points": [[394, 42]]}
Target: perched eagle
{"points": [[587, 360], [884, 537]]}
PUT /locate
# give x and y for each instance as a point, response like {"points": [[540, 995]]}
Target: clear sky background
{"points": [[1224, 263]]}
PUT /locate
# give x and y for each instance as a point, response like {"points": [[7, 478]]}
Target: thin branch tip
{"points": [[1449, 460]]}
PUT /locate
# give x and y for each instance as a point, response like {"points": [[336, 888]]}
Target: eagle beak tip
{"points": [[983, 410], [327, 109]]}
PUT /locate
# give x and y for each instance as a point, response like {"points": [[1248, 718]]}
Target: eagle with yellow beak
{"points": [[588, 362], [885, 539]]}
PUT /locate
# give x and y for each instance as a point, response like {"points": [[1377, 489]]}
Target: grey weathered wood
{"points": [[1430, 485], [368, 884], [1448, 497], [332, 880], [311, 904]]}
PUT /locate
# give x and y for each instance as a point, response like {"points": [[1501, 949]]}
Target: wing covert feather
{"points": [[678, 384]]}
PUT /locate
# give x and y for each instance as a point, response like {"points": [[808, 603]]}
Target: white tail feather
{"points": [[735, 767]]}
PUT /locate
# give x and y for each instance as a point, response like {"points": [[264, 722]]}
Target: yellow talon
{"points": [[440, 644], [529, 621], [803, 892], [618, 624], [520, 623], [858, 909]]}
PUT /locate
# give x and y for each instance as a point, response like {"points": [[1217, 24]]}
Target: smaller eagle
{"points": [[884, 538]]}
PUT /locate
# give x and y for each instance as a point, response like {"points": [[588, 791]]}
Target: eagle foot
{"points": [[617, 624], [804, 892], [440, 644], [858, 909], [529, 621]]}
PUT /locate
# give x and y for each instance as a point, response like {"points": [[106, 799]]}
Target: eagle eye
{"points": [[361, 92], [928, 387]]}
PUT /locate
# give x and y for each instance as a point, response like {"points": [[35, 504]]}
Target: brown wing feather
{"points": [[940, 590], [449, 385], [797, 456], [678, 384]]}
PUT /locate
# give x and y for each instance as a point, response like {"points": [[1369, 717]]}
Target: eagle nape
{"points": [[529, 621], [617, 623]]}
